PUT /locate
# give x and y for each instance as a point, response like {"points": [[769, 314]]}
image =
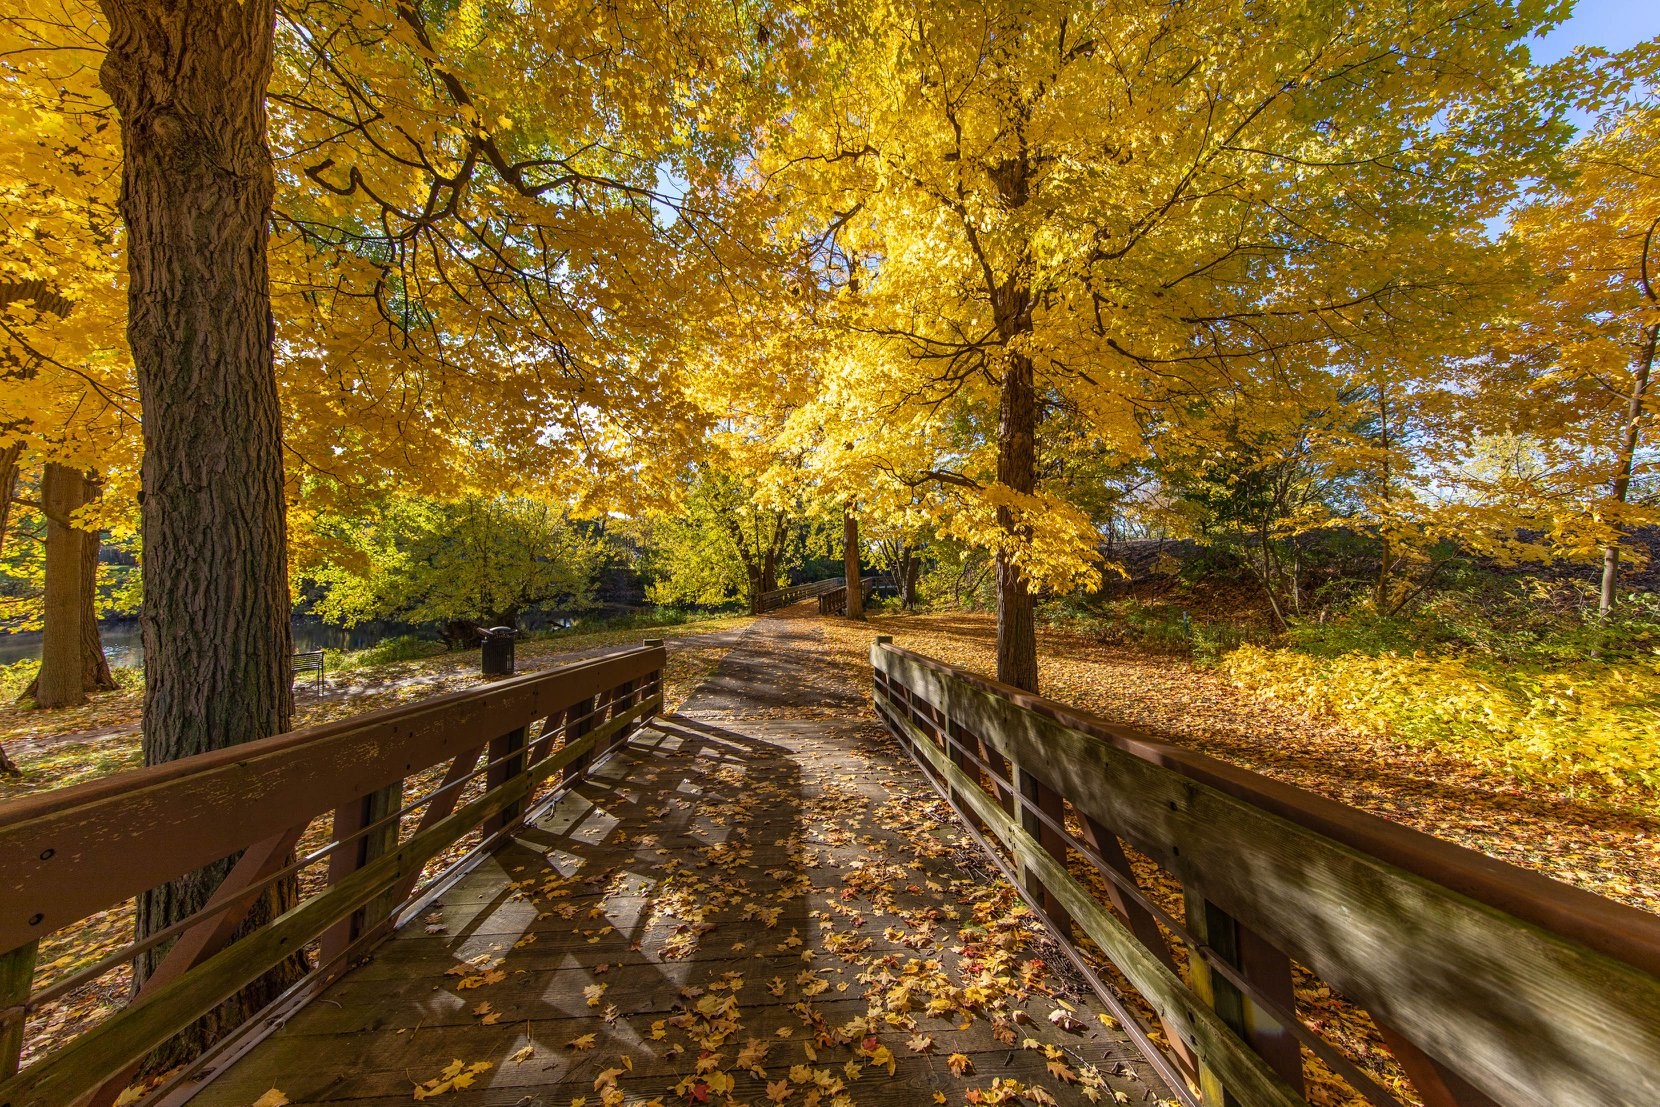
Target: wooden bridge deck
{"points": [[759, 900]]}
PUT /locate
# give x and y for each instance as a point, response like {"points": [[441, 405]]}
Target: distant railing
{"points": [[1228, 901], [834, 601], [310, 662], [378, 807], [783, 597]]}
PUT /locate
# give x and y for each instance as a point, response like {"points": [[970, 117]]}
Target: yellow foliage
{"points": [[1588, 721]]}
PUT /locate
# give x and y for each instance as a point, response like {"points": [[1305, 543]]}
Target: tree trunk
{"points": [[8, 488], [63, 490], [1627, 460], [95, 667], [850, 564], [1016, 469], [189, 79], [58, 684]]}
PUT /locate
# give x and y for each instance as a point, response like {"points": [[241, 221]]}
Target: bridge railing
{"points": [[834, 601], [784, 597], [1220, 903], [366, 820]]}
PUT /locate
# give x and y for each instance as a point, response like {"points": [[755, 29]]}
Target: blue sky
{"points": [[1615, 24]]}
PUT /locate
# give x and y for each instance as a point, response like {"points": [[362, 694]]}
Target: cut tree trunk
{"points": [[58, 684], [850, 564], [1016, 469], [189, 79]]}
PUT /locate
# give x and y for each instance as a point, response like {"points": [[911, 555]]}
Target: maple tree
{"points": [[1046, 204], [468, 563], [1594, 326]]}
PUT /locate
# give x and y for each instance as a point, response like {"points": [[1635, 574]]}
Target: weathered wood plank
{"points": [[69, 852], [1240, 1071], [1529, 1015], [129, 1035]]}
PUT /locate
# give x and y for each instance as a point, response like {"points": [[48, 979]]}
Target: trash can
{"points": [[498, 650]]}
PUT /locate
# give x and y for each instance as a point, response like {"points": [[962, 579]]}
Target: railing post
{"points": [[1037, 797], [507, 757], [17, 976], [1266, 968], [653, 685], [347, 859], [578, 722]]}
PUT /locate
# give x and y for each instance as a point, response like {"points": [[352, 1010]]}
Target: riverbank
{"points": [[59, 748]]}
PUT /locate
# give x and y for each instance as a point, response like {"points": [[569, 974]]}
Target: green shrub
{"points": [[405, 647], [16, 677]]}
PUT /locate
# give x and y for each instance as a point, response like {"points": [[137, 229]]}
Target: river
{"points": [[124, 646]]}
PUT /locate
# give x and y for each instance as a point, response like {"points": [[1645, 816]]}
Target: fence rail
{"points": [[1220, 895], [834, 601], [783, 597], [475, 761]]}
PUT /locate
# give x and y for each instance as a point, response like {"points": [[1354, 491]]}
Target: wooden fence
{"points": [[834, 601], [369, 855], [1218, 902], [784, 597]]}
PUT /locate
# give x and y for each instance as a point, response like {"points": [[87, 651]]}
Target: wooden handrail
{"points": [[833, 601], [783, 597], [1489, 983], [69, 853]]}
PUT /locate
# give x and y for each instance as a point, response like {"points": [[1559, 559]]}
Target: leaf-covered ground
{"points": [[52, 753], [1608, 844], [760, 902]]}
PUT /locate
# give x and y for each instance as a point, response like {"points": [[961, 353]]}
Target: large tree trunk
{"points": [[63, 490], [58, 684], [1627, 460], [1017, 469], [189, 79], [850, 564]]}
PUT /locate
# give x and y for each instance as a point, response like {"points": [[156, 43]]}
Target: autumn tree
{"points": [[721, 539], [1125, 208], [66, 392], [1594, 327], [477, 561]]}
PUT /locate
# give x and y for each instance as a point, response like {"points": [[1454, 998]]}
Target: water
{"points": [[124, 646]]}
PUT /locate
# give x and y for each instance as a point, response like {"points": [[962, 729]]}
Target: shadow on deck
{"points": [[714, 903]]}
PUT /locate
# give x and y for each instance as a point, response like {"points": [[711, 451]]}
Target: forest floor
{"points": [[1607, 842]]}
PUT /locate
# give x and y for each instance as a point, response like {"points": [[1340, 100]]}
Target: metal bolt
{"points": [[46, 854]]}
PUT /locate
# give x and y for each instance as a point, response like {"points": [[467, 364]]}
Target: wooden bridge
{"points": [[546, 891]]}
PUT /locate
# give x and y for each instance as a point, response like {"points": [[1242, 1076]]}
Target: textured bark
{"points": [[1635, 405], [95, 667], [58, 684], [94, 670], [189, 79], [850, 564], [8, 488], [1016, 469]]}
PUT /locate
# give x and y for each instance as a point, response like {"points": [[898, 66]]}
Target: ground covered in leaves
{"points": [[758, 902], [1608, 843], [55, 749]]}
